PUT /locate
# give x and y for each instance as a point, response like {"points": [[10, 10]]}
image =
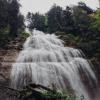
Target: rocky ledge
{"points": [[8, 56]]}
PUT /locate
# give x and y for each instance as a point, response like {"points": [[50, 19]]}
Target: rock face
{"points": [[7, 57]]}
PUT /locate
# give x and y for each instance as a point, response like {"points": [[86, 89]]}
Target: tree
{"points": [[54, 18], [60, 20], [3, 13], [36, 21], [96, 20], [81, 19], [16, 20], [67, 20]]}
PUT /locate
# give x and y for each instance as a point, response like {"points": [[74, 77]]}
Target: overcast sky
{"points": [[43, 6]]}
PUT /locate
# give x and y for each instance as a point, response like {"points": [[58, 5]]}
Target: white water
{"points": [[44, 60]]}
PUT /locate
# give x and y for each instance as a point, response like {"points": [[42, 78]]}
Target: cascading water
{"points": [[45, 61]]}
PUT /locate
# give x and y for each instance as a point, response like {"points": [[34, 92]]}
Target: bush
{"points": [[23, 35], [4, 36], [38, 92], [58, 96]]}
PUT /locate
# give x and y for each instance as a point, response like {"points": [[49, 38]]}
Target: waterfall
{"points": [[44, 60]]}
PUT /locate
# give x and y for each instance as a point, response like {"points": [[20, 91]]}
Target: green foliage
{"points": [[3, 13], [23, 35], [54, 18], [70, 20], [10, 17], [4, 36], [37, 21], [38, 92], [16, 20], [58, 96], [47, 95], [81, 19], [96, 20], [59, 19], [11, 21]]}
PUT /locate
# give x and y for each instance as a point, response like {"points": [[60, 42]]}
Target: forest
{"points": [[78, 26]]}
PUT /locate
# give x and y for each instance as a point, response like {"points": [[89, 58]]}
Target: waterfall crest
{"points": [[44, 60]]}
